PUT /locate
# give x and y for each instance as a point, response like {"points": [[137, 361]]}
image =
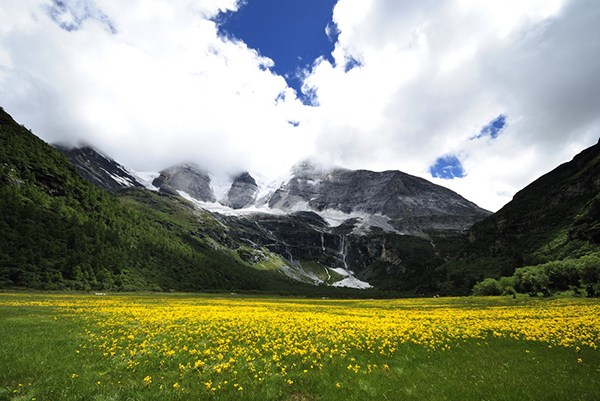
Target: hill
{"points": [[555, 218], [58, 231], [323, 228], [319, 225]]}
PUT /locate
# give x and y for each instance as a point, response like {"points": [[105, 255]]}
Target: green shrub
{"points": [[506, 282], [531, 279], [489, 286], [589, 269], [509, 290]]}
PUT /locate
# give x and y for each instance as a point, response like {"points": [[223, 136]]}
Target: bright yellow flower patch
{"points": [[215, 338]]}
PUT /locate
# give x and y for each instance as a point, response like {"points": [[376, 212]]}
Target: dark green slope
{"points": [[58, 231], [554, 218]]}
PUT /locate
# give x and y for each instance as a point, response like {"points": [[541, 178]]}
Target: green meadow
{"points": [[230, 347]]}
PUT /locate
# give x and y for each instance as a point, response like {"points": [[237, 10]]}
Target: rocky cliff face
{"points": [[552, 203], [305, 247], [242, 193], [412, 205], [101, 170], [555, 217], [333, 226], [188, 178]]}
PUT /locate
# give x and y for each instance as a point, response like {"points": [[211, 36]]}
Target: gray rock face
{"points": [[242, 192], [187, 178], [391, 200], [412, 204], [315, 243], [102, 171]]}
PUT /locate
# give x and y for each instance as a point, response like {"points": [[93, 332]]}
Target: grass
{"points": [[320, 271], [190, 347]]}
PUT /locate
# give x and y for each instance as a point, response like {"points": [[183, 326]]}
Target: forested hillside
{"points": [[58, 231], [551, 227]]}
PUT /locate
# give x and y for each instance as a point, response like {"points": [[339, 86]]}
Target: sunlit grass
{"points": [[209, 347]]}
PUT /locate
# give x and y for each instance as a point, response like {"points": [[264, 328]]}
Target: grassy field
{"points": [[196, 347]]}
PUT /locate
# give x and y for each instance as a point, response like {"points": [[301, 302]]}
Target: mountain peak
{"points": [[313, 167], [188, 178], [98, 168], [411, 204], [242, 192], [391, 200]]}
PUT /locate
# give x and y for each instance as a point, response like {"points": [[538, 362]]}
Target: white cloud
{"points": [[434, 73], [165, 88]]}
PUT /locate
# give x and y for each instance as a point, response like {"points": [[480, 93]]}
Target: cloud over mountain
{"points": [[153, 83]]}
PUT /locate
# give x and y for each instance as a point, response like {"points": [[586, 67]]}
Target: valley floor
{"points": [[184, 346]]}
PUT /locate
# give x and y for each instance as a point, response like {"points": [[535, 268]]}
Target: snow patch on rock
{"points": [[220, 186], [145, 178], [352, 282]]}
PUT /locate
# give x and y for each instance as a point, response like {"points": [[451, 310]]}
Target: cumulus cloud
{"points": [[412, 83], [159, 88], [435, 77]]}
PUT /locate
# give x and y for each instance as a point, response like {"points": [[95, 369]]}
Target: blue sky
{"points": [[493, 129], [481, 97], [292, 33], [449, 167]]}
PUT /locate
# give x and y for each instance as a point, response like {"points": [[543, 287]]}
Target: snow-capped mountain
{"points": [[391, 200], [187, 178], [325, 225], [101, 170], [404, 203]]}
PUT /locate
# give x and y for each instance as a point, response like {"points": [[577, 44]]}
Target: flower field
{"points": [[233, 347]]}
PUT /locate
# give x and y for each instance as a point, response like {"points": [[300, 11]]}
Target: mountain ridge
{"points": [[327, 227], [101, 170], [60, 232], [412, 204], [390, 200], [554, 218]]}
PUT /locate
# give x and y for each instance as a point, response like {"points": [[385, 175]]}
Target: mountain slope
{"points": [[390, 200], [187, 178], [58, 231], [102, 171], [332, 226], [553, 218], [413, 205]]}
